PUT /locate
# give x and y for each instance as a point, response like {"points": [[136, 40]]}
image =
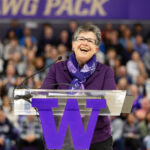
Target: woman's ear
{"points": [[97, 48]]}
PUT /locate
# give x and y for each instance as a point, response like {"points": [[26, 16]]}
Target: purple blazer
{"points": [[101, 79]]}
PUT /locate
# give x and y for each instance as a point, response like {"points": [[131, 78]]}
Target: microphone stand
{"points": [[21, 86]]}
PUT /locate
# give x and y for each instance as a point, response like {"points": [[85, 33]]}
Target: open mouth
{"points": [[84, 50]]}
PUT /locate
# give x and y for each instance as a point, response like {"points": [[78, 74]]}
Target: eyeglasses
{"points": [[89, 40]]}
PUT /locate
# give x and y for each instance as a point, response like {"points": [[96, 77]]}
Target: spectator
{"points": [[129, 50], [62, 51], [144, 126], [132, 66], [11, 35], [29, 72], [145, 129], [6, 131], [145, 104], [122, 73], [140, 115], [1, 57], [46, 38], [131, 133], [20, 65], [30, 133], [1, 49], [38, 84], [122, 84], [64, 39], [29, 46], [48, 54], [114, 43], [27, 33], [6, 105], [72, 27], [11, 49], [138, 30], [142, 69], [133, 90], [39, 64], [3, 91], [100, 56], [51, 54], [126, 37], [54, 54], [146, 59], [140, 82], [121, 30], [15, 28], [117, 63], [19, 80], [117, 130], [107, 31], [8, 110], [110, 57], [30, 58], [139, 46], [10, 78]]}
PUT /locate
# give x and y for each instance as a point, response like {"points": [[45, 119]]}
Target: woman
{"points": [[83, 71]]}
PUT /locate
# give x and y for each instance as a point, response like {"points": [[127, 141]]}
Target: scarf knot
{"points": [[80, 75]]}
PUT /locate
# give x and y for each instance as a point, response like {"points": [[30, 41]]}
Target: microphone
{"points": [[23, 82]]}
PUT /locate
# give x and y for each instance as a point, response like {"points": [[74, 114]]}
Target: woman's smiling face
{"points": [[84, 47]]}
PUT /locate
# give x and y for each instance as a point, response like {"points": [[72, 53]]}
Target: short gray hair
{"points": [[89, 28]]}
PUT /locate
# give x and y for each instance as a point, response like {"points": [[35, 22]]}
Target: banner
{"points": [[75, 9]]}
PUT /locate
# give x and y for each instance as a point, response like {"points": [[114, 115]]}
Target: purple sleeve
{"points": [[50, 79], [109, 82]]}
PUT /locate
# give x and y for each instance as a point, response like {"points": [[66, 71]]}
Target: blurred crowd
{"points": [[126, 50]]}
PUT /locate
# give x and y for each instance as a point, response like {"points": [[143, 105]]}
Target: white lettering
{"points": [[98, 6], [51, 4], [30, 8], [66, 6], [78, 5], [12, 6]]}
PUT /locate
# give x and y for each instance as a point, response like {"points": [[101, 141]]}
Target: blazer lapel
{"points": [[67, 75]]}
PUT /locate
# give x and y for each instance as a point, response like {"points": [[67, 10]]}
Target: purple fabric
{"points": [[80, 74], [137, 103], [101, 79]]}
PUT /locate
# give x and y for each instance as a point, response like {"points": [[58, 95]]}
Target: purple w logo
{"points": [[71, 118]]}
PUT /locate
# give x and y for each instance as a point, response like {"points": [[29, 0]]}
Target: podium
{"points": [[76, 109]]}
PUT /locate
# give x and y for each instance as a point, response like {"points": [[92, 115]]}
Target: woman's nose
{"points": [[85, 41]]}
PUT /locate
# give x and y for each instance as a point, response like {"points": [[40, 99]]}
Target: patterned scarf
{"points": [[80, 74]]}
